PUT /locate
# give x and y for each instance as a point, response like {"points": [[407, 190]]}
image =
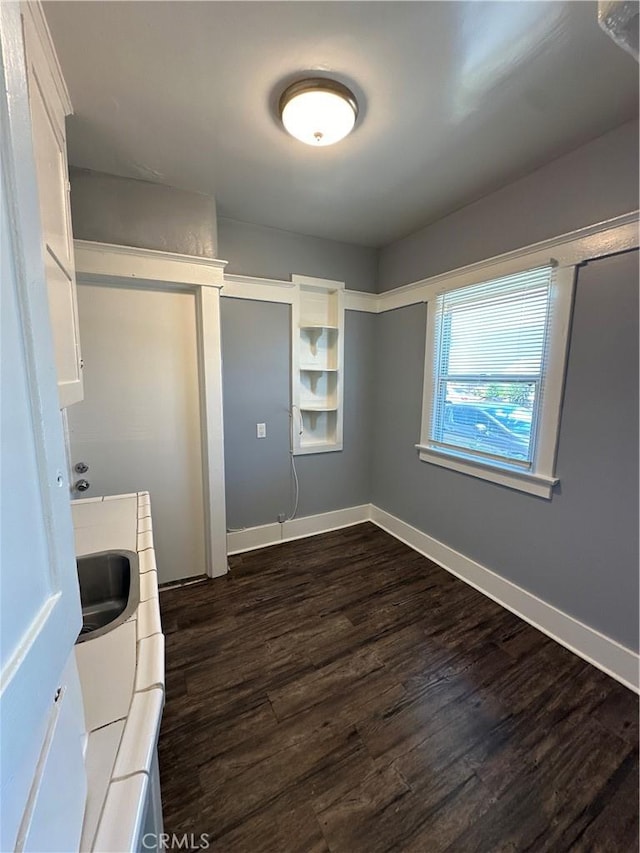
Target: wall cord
{"points": [[293, 460], [294, 472]]}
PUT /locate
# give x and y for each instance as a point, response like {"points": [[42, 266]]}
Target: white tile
{"points": [[86, 540], [144, 524], [107, 667], [145, 540], [77, 501], [121, 822], [148, 585], [119, 511], [140, 734], [105, 526], [86, 513], [102, 748], [148, 620], [120, 497], [150, 669], [147, 561], [97, 538], [90, 540], [144, 508]]}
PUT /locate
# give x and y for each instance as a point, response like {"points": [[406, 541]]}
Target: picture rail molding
{"points": [[609, 237]]}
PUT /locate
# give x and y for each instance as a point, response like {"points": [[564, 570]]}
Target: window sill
{"points": [[524, 481]]}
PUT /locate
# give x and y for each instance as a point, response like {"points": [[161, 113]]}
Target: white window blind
{"points": [[490, 367]]}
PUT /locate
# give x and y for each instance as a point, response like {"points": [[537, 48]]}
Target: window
{"points": [[494, 373]]}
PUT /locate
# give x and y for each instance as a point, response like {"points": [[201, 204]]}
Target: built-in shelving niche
{"points": [[317, 364]]}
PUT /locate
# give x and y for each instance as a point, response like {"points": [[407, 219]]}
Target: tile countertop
{"points": [[122, 679]]}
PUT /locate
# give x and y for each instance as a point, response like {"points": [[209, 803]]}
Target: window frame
{"points": [[540, 478]]}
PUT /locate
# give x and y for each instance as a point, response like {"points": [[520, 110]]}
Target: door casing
{"points": [[104, 263]]}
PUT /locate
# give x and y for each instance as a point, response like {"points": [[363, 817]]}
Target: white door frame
{"points": [[108, 264]]}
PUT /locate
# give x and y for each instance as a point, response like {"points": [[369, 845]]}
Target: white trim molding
{"points": [[100, 261], [258, 289], [611, 657], [112, 265], [276, 290], [314, 281], [596, 648], [212, 427], [584, 244], [360, 300], [251, 538], [523, 481]]}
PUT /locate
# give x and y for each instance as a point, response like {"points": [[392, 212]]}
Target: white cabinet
{"points": [[317, 364], [49, 104]]}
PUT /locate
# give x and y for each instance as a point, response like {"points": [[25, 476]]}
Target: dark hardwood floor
{"points": [[343, 693]]}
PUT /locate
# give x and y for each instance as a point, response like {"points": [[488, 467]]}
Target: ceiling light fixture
{"points": [[318, 111]]}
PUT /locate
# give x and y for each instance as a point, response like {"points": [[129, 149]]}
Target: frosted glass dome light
{"points": [[318, 112]]}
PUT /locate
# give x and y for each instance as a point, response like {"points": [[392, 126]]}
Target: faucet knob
{"points": [[82, 485]]}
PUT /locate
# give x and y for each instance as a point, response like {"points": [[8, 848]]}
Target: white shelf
{"points": [[318, 327], [315, 447], [310, 407], [310, 368], [317, 360]]}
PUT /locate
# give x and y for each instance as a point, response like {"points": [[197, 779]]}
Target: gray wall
{"points": [[578, 551], [256, 379], [591, 184], [273, 253], [256, 376], [128, 212]]}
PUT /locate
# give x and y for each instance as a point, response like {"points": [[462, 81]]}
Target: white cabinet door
{"points": [[49, 104], [63, 309], [40, 617], [48, 149]]}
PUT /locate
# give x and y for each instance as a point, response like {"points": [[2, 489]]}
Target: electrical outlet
{"points": [[261, 430]]}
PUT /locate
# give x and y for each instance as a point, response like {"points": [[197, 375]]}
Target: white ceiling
{"points": [[457, 99]]}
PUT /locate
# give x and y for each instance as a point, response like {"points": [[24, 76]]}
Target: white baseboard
{"points": [[239, 541], [608, 655]]}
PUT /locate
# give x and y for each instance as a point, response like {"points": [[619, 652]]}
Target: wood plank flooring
{"points": [[342, 693]]}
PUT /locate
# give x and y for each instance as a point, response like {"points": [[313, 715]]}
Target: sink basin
{"points": [[109, 591]]}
